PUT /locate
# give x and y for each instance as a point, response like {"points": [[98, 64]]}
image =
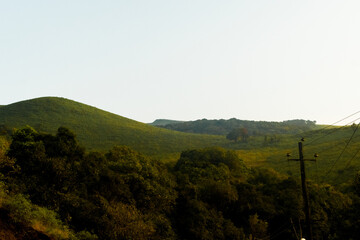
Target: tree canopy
{"points": [[122, 194]]}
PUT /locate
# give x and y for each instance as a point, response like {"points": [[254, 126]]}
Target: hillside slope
{"points": [[338, 150], [98, 129]]}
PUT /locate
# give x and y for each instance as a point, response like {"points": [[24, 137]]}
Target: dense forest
{"points": [[223, 127], [52, 188]]}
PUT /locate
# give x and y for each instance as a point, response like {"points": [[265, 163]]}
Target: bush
{"points": [[21, 210]]}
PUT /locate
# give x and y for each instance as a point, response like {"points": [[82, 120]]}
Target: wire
{"points": [[283, 228], [332, 146], [333, 124], [317, 173], [313, 132], [343, 119], [348, 163], [347, 144], [292, 224], [335, 130]]}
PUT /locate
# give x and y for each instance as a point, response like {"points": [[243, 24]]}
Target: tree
{"points": [[258, 227], [238, 133]]}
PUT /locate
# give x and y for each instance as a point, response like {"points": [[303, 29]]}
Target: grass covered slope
{"points": [[98, 129]]}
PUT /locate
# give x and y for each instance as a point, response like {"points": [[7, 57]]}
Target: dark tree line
{"points": [[254, 128], [208, 194]]}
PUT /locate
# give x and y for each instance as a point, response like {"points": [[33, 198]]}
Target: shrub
{"points": [[41, 219]]}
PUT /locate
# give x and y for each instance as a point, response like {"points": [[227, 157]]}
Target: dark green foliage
{"points": [[207, 194], [148, 181], [34, 222], [47, 163], [197, 221], [5, 130], [121, 194], [28, 149], [350, 227], [223, 127], [238, 133], [211, 163], [258, 203], [328, 209]]}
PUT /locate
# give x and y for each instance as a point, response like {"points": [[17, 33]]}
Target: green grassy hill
{"points": [[100, 130], [97, 129]]}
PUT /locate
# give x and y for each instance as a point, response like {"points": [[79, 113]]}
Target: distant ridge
{"points": [[254, 128], [98, 129], [163, 122]]}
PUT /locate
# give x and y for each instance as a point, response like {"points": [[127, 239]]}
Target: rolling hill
{"points": [[100, 130], [97, 129]]}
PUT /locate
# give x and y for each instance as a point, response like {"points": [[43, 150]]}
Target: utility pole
{"points": [[304, 188]]}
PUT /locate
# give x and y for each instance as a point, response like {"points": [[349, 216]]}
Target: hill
{"points": [[254, 128], [163, 122], [97, 129], [100, 130]]}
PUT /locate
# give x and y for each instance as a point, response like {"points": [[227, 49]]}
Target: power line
{"points": [[283, 228], [308, 134], [327, 126], [332, 146], [344, 118], [335, 130], [333, 124], [348, 163], [347, 144]]}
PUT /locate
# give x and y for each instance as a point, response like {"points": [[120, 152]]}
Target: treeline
{"points": [[51, 184], [254, 128]]}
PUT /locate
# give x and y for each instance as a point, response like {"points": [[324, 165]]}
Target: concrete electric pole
{"points": [[304, 189]]}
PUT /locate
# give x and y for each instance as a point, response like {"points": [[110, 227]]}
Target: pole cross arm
{"points": [[312, 160]]}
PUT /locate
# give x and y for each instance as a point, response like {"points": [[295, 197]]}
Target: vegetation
{"points": [[238, 133], [97, 129], [40, 219], [51, 187], [254, 128], [337, 163], [50, 184]]}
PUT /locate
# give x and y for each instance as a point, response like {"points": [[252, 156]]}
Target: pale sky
{"points": [[186, 60]]}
